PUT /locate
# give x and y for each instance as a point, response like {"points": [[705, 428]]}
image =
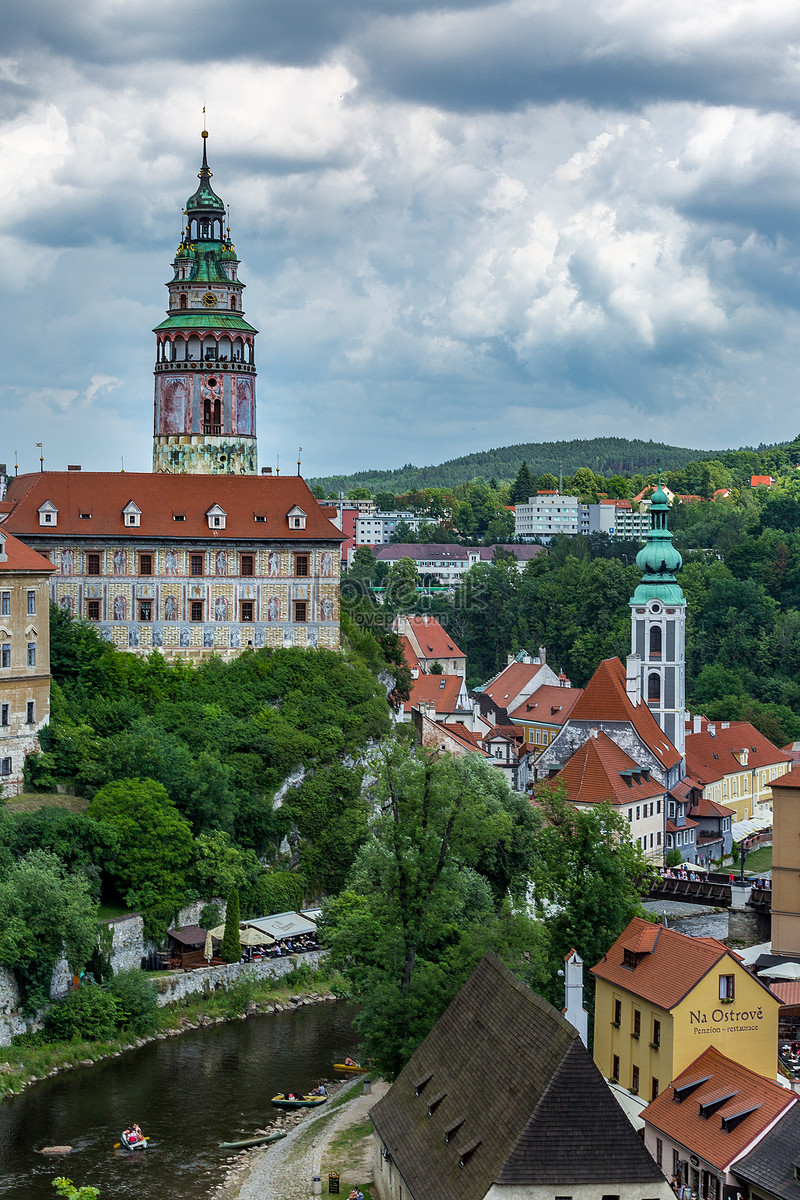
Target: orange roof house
{"points": [[734, 764], [430, 642], [715, 1111], [518, 680], [601, 773], [447, 693], [761, 481]]}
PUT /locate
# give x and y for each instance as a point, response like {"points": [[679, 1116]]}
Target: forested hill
{"points": [[604, 456]]}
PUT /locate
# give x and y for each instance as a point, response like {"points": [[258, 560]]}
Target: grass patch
{"points": [[29, 802], [349, 1139], [759, 860], [107, 912]]}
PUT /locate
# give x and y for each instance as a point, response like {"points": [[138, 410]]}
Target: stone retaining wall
{"points": [[172, 988]]}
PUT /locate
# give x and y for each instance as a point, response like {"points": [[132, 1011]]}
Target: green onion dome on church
{"points": [[658, 560]]}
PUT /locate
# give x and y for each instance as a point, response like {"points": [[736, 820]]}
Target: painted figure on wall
{"points": [[171, 609], [273, 608], [185, 639], [220, 609], [327, 563], [327, 608], [244, 407], [120, 608], [208, 638], [66, 604], [120, 562], [222, 562], [274, 563], [173, 405], [158, 635], [312, 636], [236, 640], [67, 562], [133, 635], [171, 563]]}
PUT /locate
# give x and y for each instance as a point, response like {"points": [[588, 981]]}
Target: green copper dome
{"points": [[205, 197], [658, 560]]}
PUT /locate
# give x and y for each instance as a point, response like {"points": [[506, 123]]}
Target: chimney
{"points": [[425, 620], [266, 470], [633, 679], [712, 729], [697, 724], [724, 724], [594, 732], [574, 1012], [542, 654], [510, 659]]}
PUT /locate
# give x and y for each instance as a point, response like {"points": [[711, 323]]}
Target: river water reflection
{"points": [[188, 1093]]}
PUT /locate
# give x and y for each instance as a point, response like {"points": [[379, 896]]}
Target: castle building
{"points": [[24, 656], [186, 564], [205, 390], [658, 627]]}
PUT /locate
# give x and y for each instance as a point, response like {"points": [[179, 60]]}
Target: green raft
{"points": [[283, 1101], [245, 1143]]}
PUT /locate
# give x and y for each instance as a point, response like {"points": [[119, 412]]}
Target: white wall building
{"points": [[376, 528]]}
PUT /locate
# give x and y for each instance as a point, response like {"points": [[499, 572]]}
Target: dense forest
{"points": [[604, 456]]}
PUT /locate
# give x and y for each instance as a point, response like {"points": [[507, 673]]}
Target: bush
{"points": [[673, 858], [89, 1014], [231, 948], [136, 998], [210, 916]]}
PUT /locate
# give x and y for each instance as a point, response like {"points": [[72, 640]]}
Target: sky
{"points": [[460, 226]]}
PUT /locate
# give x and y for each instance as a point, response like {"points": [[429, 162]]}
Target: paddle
{"points": [[118, 1144]]}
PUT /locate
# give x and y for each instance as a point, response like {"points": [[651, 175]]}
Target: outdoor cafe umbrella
{"points": [[208, 952], [247, 936], [789, 970]]}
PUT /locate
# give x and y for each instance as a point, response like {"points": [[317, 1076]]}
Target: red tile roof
{"points": [[688, 823], [510, 682], [787, 991], [409, 654], [105, 494], [592, 775], [442, 690], [702, 747], [434, 641], [707, 1136], [605, 699], [709, 808], [549, 705], [761, 481], [20, 557], [676, 964], [791, 779]]}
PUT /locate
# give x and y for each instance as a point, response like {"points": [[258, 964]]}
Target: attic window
{"points": [[421, 1082], [261, 519], [711, 1106], [730, 1123], [716, 756], [466, 1152], [179, 516], [85, 516], [630, 959], [452, 1128], [435, 1102], [296, 517], [216, 517], [442, 684], [682, 1092]]}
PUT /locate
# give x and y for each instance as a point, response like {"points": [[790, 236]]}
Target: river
{"points": [[188, 1093]]}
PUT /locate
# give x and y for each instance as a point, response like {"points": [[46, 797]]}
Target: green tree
{"points": [[65, 1187], [136, 997], [231, 948], [155, 848], [419, 914], [90, 1014], [385, 501], [44, 911], [524, 486], [401, 586]]}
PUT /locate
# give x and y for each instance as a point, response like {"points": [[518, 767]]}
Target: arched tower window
{"points": [[655, 641], [183, 301], [233, 302], [653, 688]]}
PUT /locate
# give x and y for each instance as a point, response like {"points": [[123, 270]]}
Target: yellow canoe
{"points": [[352, 1070]]}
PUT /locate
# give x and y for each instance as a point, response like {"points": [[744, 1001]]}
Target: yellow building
{"points": [[542, 714], [662, 998], [735, 765]]}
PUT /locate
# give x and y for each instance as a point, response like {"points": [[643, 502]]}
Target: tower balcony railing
{"points": [[204, 364]]}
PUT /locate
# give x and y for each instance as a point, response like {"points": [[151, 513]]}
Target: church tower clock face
{"points": [[205, 372]]}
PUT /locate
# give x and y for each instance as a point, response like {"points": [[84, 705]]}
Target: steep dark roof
{"points": [[519, 1093], [771, 1165]]}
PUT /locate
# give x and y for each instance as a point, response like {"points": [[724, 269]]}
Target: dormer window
{"points": [[296, 517], [131, 515], [48, 513], [216, 517], [3, 555]]}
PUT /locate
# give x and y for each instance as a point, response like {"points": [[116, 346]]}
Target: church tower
{"points": [[205, 394], [658, 620]]}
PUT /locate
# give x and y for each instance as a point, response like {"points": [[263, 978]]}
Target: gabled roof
{"points": [[771, 1164], [711, 756], [460, 734], [433, 639], [605, 699], [709, 808], [790, 780], [675, 965], [718, 1137], [409, 654], [548, 705], [105, 495], [19, 557], [516, 1093], [442, 690], [512, 680], [598, 772]]}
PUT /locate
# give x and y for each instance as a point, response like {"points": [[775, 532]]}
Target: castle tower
{"points": [[658, 626], [205, 398]]}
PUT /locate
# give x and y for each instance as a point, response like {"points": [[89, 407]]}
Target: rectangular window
{"points": [[31, 603], [658, 839], [145, 610], [93, 610], [4, 711], [247, 610], [635, 1081], [5, 654], [656, 1033], [630, 814], [196, 610], [637, 1023], [30, 717], [31, 654], [5, 766], [615, 1068], [145, 564], [617, 1012], [5, 603], [637, 812], [301, 565], [659, 1152], [300, 610], [653, 1088], [195, 564], [248, 564], [727, 987], [93, 567]]}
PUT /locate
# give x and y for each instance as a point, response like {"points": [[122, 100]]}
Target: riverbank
{"points": [[29, 1060], [336, 1139]]}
